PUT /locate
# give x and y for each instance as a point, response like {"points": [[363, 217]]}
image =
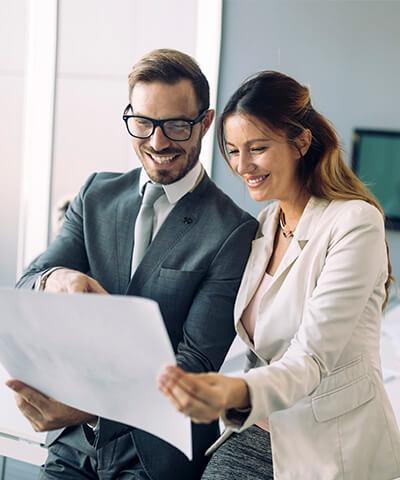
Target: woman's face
{"points": [[262, 157]]}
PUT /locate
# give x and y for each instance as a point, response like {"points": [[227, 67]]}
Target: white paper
{"points": [[98, 353], [11, 421]]}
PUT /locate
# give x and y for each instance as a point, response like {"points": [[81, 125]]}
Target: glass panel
{"points": [[15, 470], [13, 19]]}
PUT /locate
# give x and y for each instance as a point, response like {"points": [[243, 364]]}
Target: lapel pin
{"points": [[187, 220]]}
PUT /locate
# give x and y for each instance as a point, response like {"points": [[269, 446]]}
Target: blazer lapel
{"points": [[288, 259], [306, 226], [261, 251], [178, 224], [127, 211]]}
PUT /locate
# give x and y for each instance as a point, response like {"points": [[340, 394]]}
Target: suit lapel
{"points": [[126, 213], [177, 225]]}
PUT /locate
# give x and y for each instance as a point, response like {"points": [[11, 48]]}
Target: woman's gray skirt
{"points": [[243, 456]]}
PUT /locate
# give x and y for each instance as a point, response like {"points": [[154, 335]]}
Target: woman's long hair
{"points": [[284, 105]]}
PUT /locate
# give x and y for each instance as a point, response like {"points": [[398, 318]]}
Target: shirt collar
{"points": [[175, 191]]}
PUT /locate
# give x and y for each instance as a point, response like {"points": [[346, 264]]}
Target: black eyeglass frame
{"points": [[160, 123]]}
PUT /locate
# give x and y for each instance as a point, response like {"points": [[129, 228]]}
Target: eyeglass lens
{"points": [[173, 129]]}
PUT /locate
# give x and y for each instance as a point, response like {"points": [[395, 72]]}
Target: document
{"points": [[98, 353], [12, 423]]}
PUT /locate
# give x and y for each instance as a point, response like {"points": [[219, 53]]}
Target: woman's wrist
{"points": [[238, 394]]}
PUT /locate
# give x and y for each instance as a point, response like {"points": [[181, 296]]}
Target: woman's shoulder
{"points": [[351, 217], [355, 211], [340, 214]]}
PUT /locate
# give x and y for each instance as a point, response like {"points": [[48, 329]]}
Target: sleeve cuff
{"points": [[239, 419], [236, 416]]}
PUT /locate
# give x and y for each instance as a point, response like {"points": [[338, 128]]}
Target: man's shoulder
{"points": [[110, 182], [106, 178]]}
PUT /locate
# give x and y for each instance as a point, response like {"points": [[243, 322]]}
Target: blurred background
{"points": [[63, 87]]}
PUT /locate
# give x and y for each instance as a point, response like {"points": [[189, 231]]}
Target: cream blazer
{"points": [[318, 376]]}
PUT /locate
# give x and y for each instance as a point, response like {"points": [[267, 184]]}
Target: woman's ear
{"points": [[303, 141]]}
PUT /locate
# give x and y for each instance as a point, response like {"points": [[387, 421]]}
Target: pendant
{"points": [[288, 234], [282, 224]]}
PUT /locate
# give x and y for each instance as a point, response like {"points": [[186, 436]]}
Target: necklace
{"points": [[286, 232]]}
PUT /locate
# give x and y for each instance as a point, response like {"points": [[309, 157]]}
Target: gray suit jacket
{"points": [[192, 269]]}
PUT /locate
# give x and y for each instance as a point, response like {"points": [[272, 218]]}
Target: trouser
{"points": [[80, 455]]}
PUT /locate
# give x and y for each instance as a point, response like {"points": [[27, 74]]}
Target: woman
{"points": [[309, 306]]}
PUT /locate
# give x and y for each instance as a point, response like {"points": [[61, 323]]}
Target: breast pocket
{"points": [[174, 277], [177, 288]]}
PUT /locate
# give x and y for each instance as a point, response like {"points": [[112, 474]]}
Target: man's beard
{"points": [[166, 177]]}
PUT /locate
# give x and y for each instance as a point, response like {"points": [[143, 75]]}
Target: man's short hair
{"points": [[170, 66]]}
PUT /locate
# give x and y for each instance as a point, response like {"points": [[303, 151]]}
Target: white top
{"points": [[250, 318], [250, 315]]}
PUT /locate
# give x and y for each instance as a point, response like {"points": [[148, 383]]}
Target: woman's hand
{"points": [[203, 397]]}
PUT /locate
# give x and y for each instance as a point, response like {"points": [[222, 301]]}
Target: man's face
{"points": [[165, 160]]}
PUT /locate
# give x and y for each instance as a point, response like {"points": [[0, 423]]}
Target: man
{"points": [[190, 262]]}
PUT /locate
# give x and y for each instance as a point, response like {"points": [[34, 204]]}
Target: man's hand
{"points": [[203, 397], [43, 412], [71, 281]]}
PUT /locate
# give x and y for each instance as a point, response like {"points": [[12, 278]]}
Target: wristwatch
{"points": [[44, 276]]}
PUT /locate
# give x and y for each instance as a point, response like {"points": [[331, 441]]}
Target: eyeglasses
{"points": [[176, 129]]}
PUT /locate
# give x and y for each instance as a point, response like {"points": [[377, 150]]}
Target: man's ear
{"points": [[303, 141], [207, 121]]}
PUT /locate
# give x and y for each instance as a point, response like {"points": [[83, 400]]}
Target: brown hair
{"points": [[282, 104], [171, 66]]}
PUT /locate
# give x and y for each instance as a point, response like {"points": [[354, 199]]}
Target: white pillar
{"points": [[208, 47], [38, 130]]}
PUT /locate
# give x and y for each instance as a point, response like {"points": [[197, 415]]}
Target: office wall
{"points": [[98, 44], [13, 17], [347, 51]]}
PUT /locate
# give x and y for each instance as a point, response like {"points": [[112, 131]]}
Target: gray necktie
{"points": [[144, 223]]}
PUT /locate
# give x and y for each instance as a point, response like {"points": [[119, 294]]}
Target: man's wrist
{"points": [[40, 283]]}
